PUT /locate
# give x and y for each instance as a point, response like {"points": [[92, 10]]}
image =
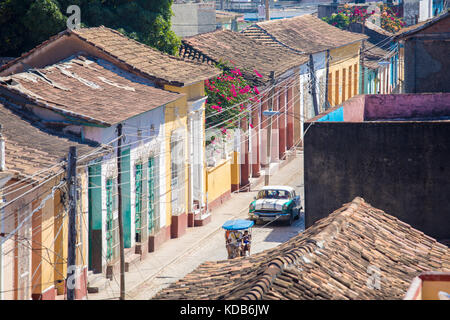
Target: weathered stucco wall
{"points": [[402, 168], [393, 106], [427, 63], [218, 180]]}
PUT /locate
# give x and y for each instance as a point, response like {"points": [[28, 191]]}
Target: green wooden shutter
{"points": [[138, 217], [109, 220]]}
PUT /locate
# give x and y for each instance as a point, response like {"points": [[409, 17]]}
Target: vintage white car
{"points": [[276, 202]]}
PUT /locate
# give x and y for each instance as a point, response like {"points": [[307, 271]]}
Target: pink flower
{"points": [[257, 73], [236, 71], [251, 126], [255, 89]]}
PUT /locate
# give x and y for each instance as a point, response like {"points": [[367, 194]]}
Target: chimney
{"points": [[2, 151]]}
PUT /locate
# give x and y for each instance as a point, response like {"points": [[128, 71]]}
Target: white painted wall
{"points": [[150, 125]]}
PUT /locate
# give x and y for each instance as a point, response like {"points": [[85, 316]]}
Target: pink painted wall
{"points": [[354, 109], [392, 106]]}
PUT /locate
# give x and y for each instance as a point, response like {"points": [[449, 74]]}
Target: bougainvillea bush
{"points": [[230, 97], [389, 20]]}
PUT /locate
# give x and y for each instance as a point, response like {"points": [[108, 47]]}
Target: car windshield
{"points": [[273, 194]]}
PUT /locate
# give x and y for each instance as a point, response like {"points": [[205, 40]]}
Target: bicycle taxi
{"points": [[238, 234]]}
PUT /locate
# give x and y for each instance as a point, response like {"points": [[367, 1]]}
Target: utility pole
{"points": [[267, 9], [312, 74], [71, 260], [119, 194], [269, 113]]}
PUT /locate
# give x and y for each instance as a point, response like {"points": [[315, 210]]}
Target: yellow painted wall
{"points": [[341, 59], [192, 92], [218, 180], [47, 255], [235, 168], [176, 117]]}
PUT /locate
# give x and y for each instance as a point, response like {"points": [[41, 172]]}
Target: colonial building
{"points": [[330, 49], [282, 93], [34, 208], [424, 54], [379, 60], [90, 82]]}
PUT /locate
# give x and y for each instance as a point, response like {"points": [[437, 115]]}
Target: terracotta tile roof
{"points": [[405, 32], [333, 259], [146, 59], [245, 53], [378, 29], [378, 45], [374, 54], [305, 33], [31, 148], [90, 89]]}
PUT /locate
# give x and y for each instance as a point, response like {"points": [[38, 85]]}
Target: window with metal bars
{"points": [[112, 221], [140, 219], [153, 199]]}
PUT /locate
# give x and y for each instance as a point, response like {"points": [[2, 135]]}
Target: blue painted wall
{"points": [[336, 115]]}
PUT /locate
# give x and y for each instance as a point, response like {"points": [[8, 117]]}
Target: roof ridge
{"points": [[278, 41], [154, 50], [137, 42], [421, 25], [209, 32], [277, 265]]}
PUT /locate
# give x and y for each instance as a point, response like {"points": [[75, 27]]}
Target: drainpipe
{"points": [[312, 73]]}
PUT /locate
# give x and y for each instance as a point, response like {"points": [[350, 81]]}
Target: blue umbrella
{"points": [[238, 224]]}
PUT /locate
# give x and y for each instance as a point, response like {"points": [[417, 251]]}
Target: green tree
{"points": [[339, 20], [26, 23]]}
